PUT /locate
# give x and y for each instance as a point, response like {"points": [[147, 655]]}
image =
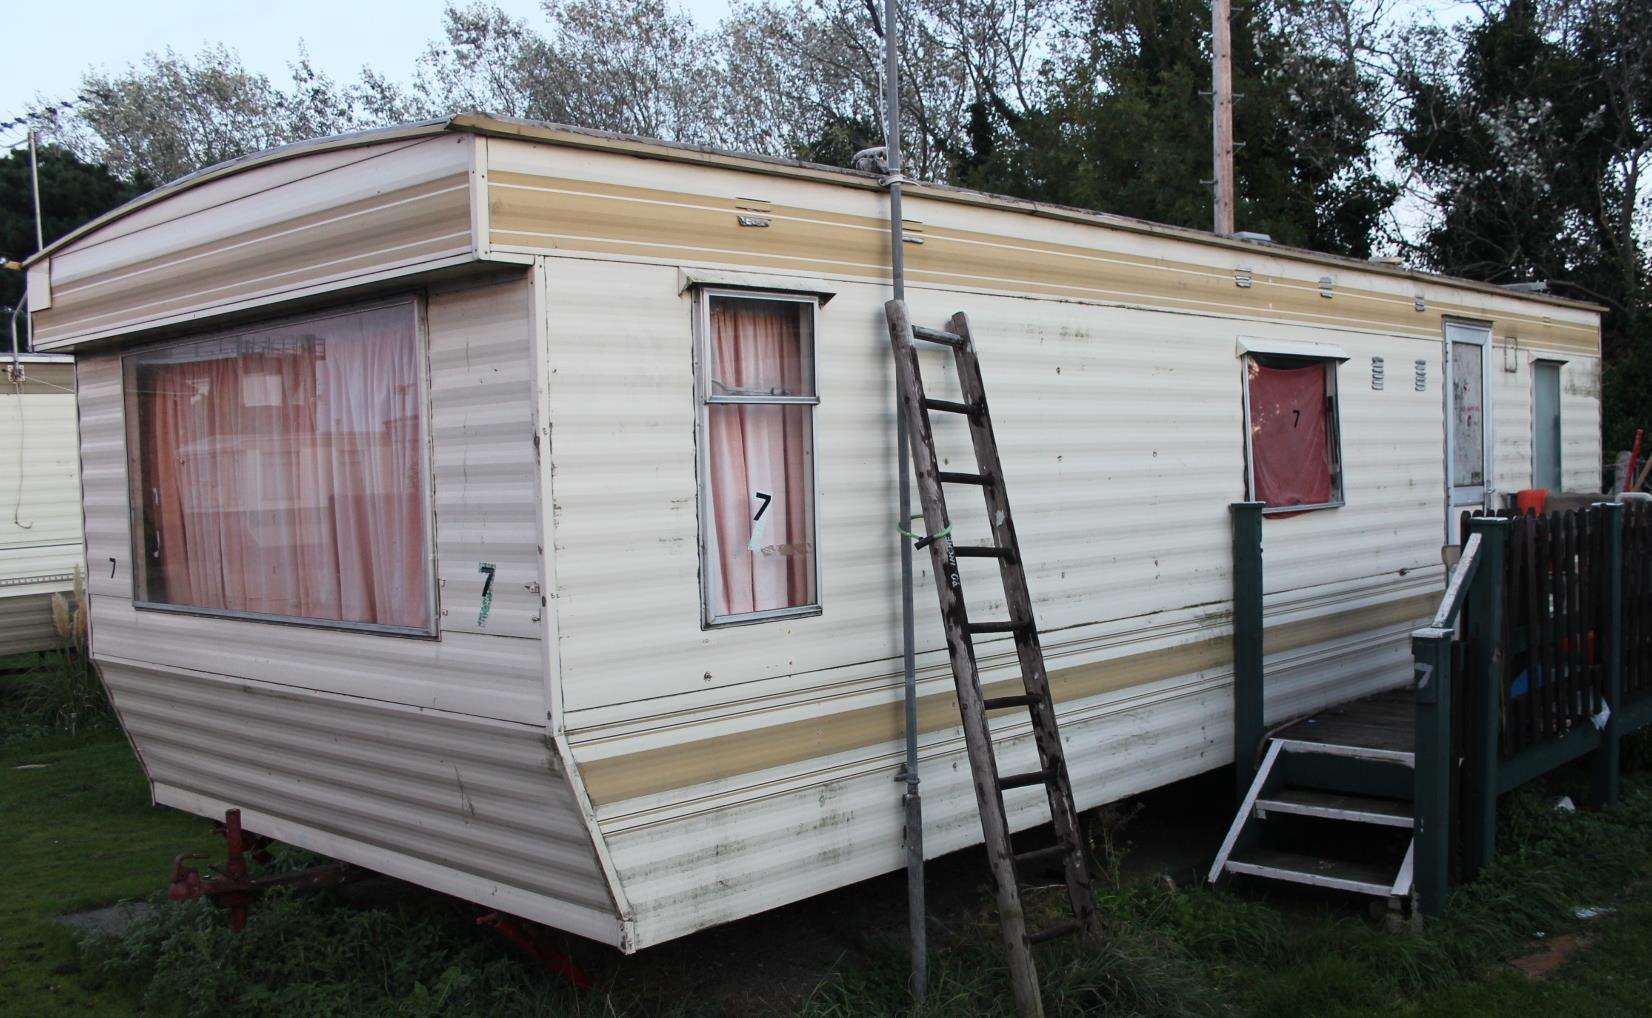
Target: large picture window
{"points": [[1292, 442], [280, 472], [757, 508]]}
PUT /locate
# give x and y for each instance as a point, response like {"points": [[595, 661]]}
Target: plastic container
{"points": [[1531, 500]]}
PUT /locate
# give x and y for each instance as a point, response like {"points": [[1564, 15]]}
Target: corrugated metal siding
{"points": [[26, 621], [1122, 434], [1581, 463], [722, 858], [1110, 422], [486, 459], [484, 801], [544, 198], [1511, 408], [465, 671], [39, 486], [373, 748], [313, 222]]}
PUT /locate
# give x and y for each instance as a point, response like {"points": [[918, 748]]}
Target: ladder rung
{"points": [[1059, 930], [1001, 702], [1023, 780], [952, 478], [978, 551], [950, 406], [951, 339], [994, 627], [1057, 851]]}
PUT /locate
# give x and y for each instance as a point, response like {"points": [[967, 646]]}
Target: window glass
{"points": [[1293, 445], [280, 472], [761, 348], [1546, 425], [1468, 435], [758, 506]]}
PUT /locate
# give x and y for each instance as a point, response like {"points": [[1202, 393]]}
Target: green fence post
{"points": [[1431, 772], [1485, 708], [1247, 641], [1605, 765]]}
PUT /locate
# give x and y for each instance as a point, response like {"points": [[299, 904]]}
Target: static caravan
{"points": [[512, 509], [39, 497]]}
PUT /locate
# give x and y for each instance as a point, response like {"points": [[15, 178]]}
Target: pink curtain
{"points": [[1290, 434], [761, 540], [281, 472]]}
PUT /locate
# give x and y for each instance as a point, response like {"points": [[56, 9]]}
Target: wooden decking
{"points": [[1384, 724]]}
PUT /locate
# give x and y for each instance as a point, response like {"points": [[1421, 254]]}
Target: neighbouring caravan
{"points": [[512, 509], [39, 497]]}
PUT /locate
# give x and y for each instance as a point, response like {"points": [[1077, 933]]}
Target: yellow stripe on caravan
{"points": [[628, 776], [560, 214]]}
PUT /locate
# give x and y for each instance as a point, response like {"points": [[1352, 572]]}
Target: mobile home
{"points": [[39, 497], [512, 509]]}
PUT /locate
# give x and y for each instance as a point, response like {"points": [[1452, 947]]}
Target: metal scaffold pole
{"points": [[897, 262]]}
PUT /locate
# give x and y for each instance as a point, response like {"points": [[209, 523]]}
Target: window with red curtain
{"points": [[1293, 437], [280, 472], [757, 500]]}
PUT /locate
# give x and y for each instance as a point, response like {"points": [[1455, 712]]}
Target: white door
{"points": [[1468, 420]]}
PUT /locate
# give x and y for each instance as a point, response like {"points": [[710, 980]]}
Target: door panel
{"points": [[1467, 420]]}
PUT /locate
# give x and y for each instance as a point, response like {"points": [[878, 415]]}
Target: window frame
{"points": [[703, 401], [1339, 470], [128, 358]]}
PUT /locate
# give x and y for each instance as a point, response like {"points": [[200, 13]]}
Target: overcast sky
{"points": [[51, 42]]}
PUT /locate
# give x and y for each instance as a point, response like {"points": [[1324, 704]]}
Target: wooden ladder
{"points": [[960, 633]]}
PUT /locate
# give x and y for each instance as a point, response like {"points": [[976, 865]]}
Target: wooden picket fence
{"points": [[1556, 607], [1637, 603], [1541, 654]]}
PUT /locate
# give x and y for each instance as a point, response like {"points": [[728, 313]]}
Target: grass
{"points": [[78, 832]]}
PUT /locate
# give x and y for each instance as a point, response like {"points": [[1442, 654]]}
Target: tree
{"points": [[175, 114], [1124, 125], [71, 193], [1532, 138]]}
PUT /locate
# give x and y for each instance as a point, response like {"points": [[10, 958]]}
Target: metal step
{"points": [[1357, 809], [1361, 878]]}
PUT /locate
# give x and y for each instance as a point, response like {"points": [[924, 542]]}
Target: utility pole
{"points": [[1221, 74], [34, 180]]}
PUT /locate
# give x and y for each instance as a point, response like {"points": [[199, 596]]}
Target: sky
{"points": [[54, 41]]}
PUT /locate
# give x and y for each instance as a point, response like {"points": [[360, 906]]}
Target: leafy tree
{"points": [[1534, 144], [71, 192], [1125, 125]]}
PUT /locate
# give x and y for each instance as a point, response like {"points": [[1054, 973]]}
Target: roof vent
{"points": [[1251, 235]]}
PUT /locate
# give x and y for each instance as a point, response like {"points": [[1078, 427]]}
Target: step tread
{"points": [[1337, 805], [1315, 870]]}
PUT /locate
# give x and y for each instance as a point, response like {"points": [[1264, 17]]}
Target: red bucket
{"points": [[1531, 500]]}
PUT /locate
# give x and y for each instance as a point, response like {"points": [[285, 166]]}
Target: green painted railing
{"points": [[1247, 643]]}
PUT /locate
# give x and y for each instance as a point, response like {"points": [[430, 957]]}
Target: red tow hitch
{"points": [[231, 887], [530, 938]]}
